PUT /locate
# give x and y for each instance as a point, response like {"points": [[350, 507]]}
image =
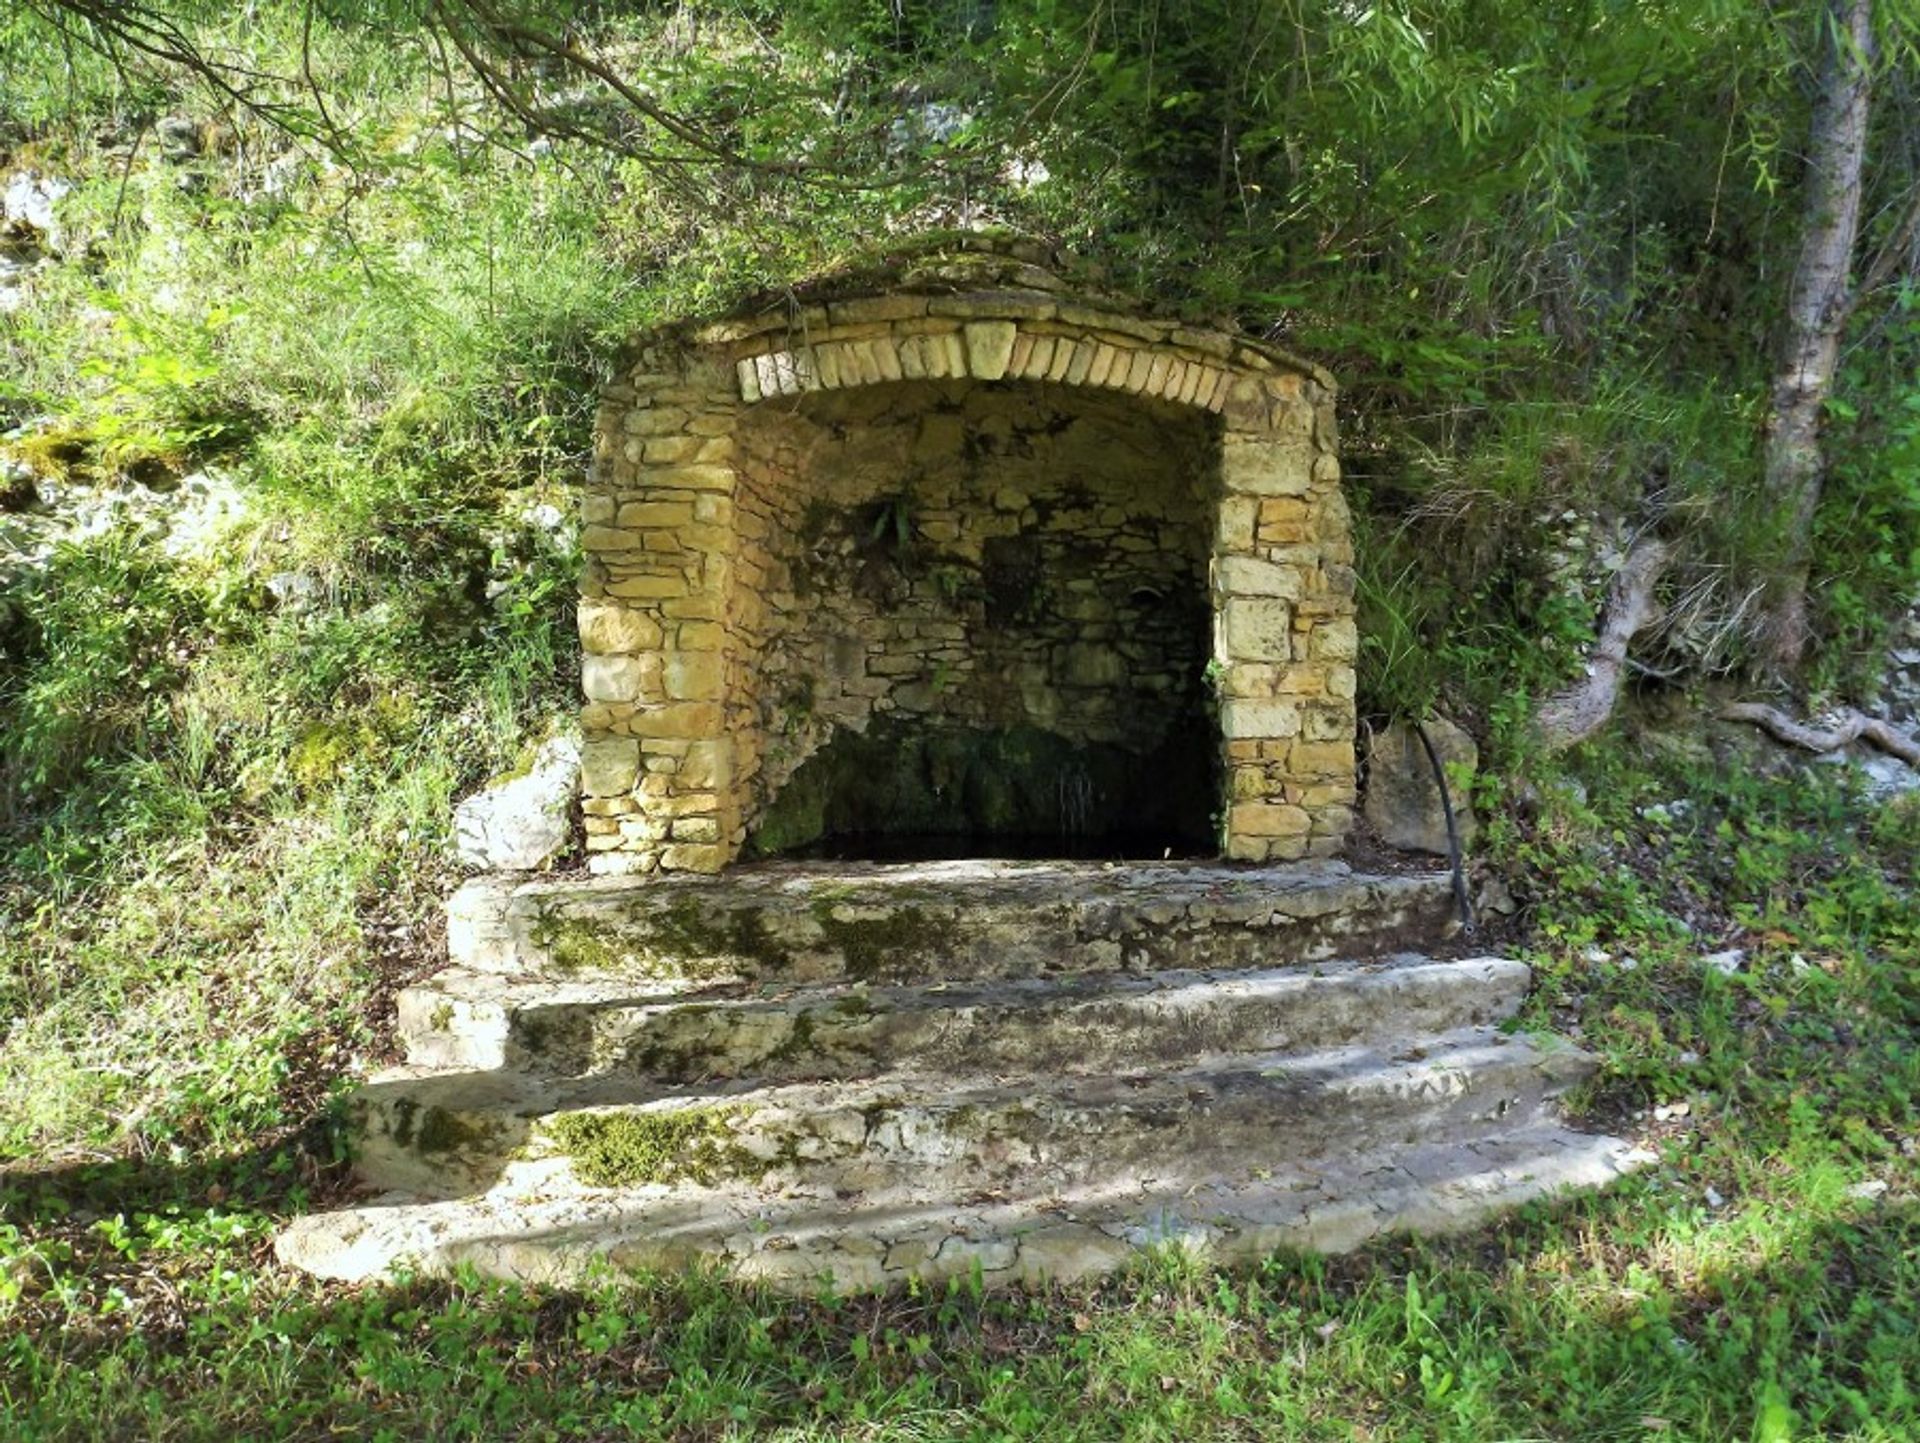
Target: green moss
{"points": [[442, 1131], [869, 944], [627, 1149], [684, 940], [576, 946], [431, 1129], [704, 943]]}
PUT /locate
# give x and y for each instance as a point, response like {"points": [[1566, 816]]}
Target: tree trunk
{"points": [[1818, 307]]}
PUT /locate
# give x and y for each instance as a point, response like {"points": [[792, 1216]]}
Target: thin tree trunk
{"points": [[1818, 307]]}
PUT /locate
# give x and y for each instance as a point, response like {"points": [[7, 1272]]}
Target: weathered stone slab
{"points": [[793, 1243], [957, 921], [1230, 1119], [1078, 1023]]}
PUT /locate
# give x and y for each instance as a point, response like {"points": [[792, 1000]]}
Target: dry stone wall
{"points": [[732, 457]]}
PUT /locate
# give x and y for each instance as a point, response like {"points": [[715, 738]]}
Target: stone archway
{"points": [[699, 489]]}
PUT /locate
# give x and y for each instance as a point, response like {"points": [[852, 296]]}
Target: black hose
{"points": [[1460, 898]]}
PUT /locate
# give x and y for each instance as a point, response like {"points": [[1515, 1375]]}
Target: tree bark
{"points": [[1819, 304], [1583, 708]]}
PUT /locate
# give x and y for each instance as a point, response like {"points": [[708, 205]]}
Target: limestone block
{"points": [[913, 357], [1247, 717], [956, 353], [655, 421], [886, 356], [1268, 819], [612, 677], [609, 766], [989, 347], [1190, 383], [1087, 664], [700, 636], [694, 675], [1138, 369], [687, 719], [1266, 468], [1080, 362], [1403, 803], [1249, 576], [609, 538], [1336, 639], [1040, 357], [1326, 723], [608, 627], [1100, 369], [695, 829], [691, 478], [876, 308], [596, 509], [641, 514], [1321, 759], [1257, 628], [707, 764], [1245, 405], [1234, 522], [609, 806], [646, 587], [1286, 520], [694, 857]]}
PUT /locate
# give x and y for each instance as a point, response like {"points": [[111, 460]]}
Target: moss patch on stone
{"points": [[576, 946], [630, 1149], [870, 944]]}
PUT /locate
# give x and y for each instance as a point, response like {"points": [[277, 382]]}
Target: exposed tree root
{"points": [[1583, 708], [1852, 726]]}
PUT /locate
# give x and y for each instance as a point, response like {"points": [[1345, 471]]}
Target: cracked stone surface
{"points": [[1043, 1069]]}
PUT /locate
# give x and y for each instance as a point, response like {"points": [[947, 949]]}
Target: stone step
{"points": [[798, 922], [442, 1134], [1085, 1023], [798, 1244]]}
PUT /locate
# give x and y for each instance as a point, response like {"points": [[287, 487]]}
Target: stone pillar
{"points": [[1284, 639], [658, 534]]}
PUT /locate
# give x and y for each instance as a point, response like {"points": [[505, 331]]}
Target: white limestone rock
{"points": [[520, 823]]}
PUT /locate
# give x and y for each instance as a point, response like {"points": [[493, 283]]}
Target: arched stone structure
{"points": [[699, 492]]}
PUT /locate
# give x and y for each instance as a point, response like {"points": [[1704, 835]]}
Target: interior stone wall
{"points": [[981, 556], [695, 537]]}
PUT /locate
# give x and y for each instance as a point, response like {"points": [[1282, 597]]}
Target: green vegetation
{"points": [[623, 1149], [1543, 246]]}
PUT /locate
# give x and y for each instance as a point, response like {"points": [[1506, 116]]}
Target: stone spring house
{"points": [[945, 559], [952, 497]]}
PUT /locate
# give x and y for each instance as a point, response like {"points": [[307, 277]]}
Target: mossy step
{"points": [[802, 1244], [445, 1134], [798, 922], [1079, 1023]]}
